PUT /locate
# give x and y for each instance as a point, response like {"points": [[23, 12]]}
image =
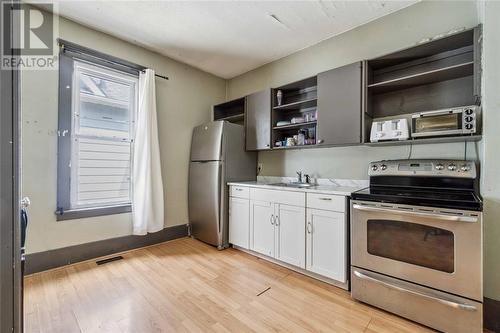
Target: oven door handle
{"points": [[454, 218], [452, 304]]}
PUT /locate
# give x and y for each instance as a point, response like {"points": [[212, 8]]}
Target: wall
{"points": [[490, 186], [390, 33], [183, 102]]}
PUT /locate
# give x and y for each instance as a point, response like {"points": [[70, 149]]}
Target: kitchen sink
{"points": [[295, 185]]}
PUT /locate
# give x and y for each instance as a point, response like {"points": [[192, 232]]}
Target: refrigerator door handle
{"points": [[221, 198]]}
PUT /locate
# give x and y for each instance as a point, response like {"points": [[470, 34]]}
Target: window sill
{"points": [[92, 212]]}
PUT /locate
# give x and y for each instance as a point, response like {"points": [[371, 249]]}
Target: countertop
{"points": [[324, 189]]}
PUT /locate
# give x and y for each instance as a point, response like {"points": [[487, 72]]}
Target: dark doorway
{"points": [[11, 312]]}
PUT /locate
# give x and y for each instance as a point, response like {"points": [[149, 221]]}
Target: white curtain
{"points": [[147, 204]]}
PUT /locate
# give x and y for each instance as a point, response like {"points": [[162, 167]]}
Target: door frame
{"points": [[11, 313]]}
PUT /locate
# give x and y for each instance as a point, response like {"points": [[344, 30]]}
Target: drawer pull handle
{"points": [[309, 227], [325, 199], [238, 189], [272, 219]]}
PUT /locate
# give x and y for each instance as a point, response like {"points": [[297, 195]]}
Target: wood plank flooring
{"points": [[187, 286]]}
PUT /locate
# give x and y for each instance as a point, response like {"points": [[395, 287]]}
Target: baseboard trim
{"points": [[335, 283], [491, 315], [42, 261]]}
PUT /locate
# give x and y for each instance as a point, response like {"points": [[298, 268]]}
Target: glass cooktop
{"points": [[456, 199]]}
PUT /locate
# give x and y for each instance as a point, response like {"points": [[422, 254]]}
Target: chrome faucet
{"points": [[300, 176]]}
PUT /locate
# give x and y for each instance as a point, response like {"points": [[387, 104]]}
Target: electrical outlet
{"points": [[260, 166]]}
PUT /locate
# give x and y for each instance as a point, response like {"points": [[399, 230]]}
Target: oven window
{"points": [[412, 243], [438, 123]]}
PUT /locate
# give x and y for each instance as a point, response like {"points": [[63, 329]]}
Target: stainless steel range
{"points": [[417, 242]]}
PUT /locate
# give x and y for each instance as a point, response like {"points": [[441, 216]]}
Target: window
{"points": [[96, 116], [104, 106]]}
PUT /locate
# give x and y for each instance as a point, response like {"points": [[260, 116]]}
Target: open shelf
{"points": [[418, 141], [297, 125], [441, 74], [234, 118], [296, 147], [429, 77], [308, 103], [232, 111]]}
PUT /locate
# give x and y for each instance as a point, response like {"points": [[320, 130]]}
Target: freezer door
{"points": [[206, 144], [204, 201]]}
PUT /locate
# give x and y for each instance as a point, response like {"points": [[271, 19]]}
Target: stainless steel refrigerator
{"points": [[218, 156]]}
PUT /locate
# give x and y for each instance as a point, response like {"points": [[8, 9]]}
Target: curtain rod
{"points": [[72, 47]]}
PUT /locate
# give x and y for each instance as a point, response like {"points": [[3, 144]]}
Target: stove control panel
{"points": [[428, 168]]}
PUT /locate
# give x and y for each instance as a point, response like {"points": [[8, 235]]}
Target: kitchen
{"points": [[352, 205]]}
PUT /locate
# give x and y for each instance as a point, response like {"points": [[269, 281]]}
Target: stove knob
{"points": [[383, 167], [465, 168], [439, 166], [374, 167], [452, 167]]}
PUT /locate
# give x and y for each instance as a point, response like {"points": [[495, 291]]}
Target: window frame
{"points": [[67, 77]]}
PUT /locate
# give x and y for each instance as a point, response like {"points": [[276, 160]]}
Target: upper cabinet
{"points": [[258, 120], [441, 75], [427, 93], [232, 111], [339, 105], [294, 114]]}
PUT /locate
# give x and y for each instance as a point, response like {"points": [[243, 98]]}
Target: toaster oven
{"points": [[454, 121]]}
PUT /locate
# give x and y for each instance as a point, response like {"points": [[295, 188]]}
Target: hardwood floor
{"points": [[187, 286]]}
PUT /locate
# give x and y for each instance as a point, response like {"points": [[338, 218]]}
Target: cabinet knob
{"points": [[267, 145], [320, 141]]}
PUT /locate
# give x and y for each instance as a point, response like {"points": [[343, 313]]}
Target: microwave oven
{"points": [[454, 121]]}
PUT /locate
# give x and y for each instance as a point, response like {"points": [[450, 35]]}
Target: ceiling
{"points": [[226, 38]]}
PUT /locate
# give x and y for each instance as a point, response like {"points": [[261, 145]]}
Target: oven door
{"points": [[439, 249]]}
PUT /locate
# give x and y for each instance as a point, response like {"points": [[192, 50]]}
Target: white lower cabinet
{"points": [[278, 231], [277, 224], [290, 235], [239, 222], [262, 227], [326, 244]]}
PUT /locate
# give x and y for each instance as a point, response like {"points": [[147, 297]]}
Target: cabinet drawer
{"points": [[326, 201], [281, 197], [239, 192]]}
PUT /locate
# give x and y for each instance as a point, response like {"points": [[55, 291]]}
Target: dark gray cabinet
{"points": [[258, 120], [339, 106]]}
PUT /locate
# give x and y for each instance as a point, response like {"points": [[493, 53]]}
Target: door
{"points": [[442, 250], [262, 227], [326, 244], [339, 106], [258, 120], [204, 201], [290, 234], [239, 222], [11, 294], [206, 144]]}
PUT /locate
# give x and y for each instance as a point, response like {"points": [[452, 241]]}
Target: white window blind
{"points": [[104, 104]]}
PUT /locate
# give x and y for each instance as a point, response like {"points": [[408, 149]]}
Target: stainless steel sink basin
{"points": [[296, 185]]}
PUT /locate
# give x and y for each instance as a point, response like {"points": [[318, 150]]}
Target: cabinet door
{"points": [[326, 244], [239, 222], [290, 234], [262, 227], [258, 120], [339, 106]]}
